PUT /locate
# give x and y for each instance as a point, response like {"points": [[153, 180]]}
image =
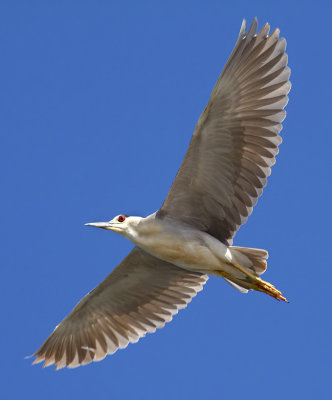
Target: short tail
{"points": [[252, 263], [252, 259], [257, 258]]}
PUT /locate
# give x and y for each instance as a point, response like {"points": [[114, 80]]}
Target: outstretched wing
{"points": [[139, 296], [236, 139]]}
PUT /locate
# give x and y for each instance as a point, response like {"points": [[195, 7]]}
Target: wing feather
{"points": [[139, 296], [236, 138]]}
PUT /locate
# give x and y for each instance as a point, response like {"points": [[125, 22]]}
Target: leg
{"points": [[253, 283]]}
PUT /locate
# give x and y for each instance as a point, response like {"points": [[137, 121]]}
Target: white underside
{"points": [[202, 253]]}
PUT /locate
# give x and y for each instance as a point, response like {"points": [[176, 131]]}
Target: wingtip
{"points": [[253, 28], [243, 29], [38, 360]]}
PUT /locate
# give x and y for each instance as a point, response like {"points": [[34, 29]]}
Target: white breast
{"points": [[186, 248]]}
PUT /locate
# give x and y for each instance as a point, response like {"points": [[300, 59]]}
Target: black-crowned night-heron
{"points": [[223, 174]]}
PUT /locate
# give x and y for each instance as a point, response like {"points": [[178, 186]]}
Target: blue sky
{"points": [[98, 103]]}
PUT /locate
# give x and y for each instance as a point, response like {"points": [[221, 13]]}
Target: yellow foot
{"points": [[269, 289], [255, 284]]}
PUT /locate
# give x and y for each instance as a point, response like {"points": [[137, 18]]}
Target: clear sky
{"points": [[99, 100]]}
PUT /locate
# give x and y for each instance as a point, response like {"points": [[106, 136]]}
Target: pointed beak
{"points": [[104, 225]]}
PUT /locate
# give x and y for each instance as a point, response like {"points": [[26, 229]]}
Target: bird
{"points": [[190, 237]]}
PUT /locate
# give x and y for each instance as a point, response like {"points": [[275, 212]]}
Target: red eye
{"points": [[121, 218]]}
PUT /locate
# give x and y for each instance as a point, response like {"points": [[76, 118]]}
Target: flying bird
{"points": [[190, 237]]}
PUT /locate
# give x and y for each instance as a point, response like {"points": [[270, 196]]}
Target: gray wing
{"points": [[236, 139], [139, 296]]}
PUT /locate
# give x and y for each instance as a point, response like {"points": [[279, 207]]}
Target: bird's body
{"points": [[220, 180], [179, 244], [190, 248]]}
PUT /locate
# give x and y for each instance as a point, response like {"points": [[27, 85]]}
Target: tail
{"points": [[254, 262], [257, 258]]}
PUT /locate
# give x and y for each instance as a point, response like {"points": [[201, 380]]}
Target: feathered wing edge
{"points": [[138, 297], [236, 138]]}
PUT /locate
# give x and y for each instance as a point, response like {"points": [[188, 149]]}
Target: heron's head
{"points": [[121, 224]]}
